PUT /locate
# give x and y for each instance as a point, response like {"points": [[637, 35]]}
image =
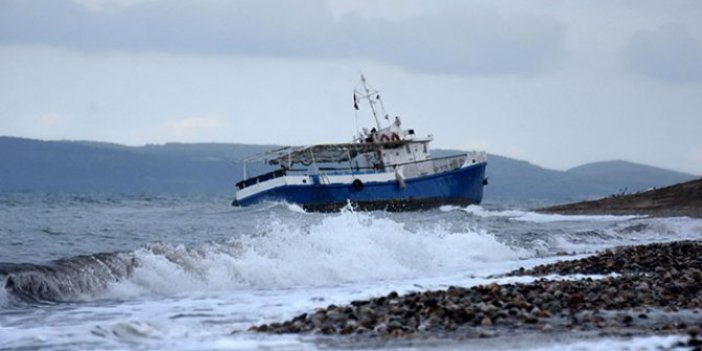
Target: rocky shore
{"points": [[684, 199], [655, 288]]}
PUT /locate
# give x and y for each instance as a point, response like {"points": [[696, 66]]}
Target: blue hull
{"points": [[462, 186]]}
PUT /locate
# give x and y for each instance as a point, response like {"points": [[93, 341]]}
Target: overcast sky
{"points": [[557, 83]]}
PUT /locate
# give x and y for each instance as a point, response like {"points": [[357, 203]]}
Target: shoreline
{"points": [[678, 200], [652, 289]]}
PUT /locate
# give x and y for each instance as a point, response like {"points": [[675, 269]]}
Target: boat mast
{"points": [[370, 100]]}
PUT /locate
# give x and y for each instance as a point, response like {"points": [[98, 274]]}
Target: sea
{"points": [[167, 272]]}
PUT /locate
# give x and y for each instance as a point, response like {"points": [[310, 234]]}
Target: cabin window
{"points": [[425, 148]]}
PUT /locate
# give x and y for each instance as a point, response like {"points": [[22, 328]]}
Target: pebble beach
{"points": [[655, 288]]}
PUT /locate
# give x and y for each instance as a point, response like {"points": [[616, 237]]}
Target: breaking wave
{"points": [[535, 217], [629, 232], [340, 248], [67, 279]]}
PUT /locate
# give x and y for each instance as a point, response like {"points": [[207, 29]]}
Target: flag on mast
{"points": [[355, 101]]}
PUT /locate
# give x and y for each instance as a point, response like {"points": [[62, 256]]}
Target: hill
{"points": [[213, 168], [683, 199], [624, 174], [520, 182], [67, 166]]}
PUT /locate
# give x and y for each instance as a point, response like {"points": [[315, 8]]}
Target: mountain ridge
{"points": [[213, 168]]}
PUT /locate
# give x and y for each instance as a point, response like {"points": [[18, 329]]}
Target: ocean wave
{"points": [[286, 248], [631, 232], [68, 279], [340, 248], [536, 217], [344, 247]]}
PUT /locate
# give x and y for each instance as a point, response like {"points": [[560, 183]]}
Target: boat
{"points": [[385, 168]]}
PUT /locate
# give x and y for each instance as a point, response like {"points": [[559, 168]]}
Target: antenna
{"points": [[369, 96]]}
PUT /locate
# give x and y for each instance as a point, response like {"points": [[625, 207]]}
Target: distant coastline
{"points": [[683, 199], [29, 165]]}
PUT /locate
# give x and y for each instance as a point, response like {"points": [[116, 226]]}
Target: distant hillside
{"points": [[523, 182], [65, 166], [191, 151], [628, 175], [516, 181], [683, 199], [213, 168]]}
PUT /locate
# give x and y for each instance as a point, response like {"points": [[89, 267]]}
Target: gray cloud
{"points": [[468, 41], [669, 54]]}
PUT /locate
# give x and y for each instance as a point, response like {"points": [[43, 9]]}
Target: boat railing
{"points": [[408, 169], [447, 164], [452, 162], [437, 165], [476, 156], [261, 178]]}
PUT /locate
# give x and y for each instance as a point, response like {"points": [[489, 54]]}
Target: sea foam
{"points": [[536, 217], [341, 248]]}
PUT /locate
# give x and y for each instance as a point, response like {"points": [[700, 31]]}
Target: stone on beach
{"points": [[651, 277]]}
